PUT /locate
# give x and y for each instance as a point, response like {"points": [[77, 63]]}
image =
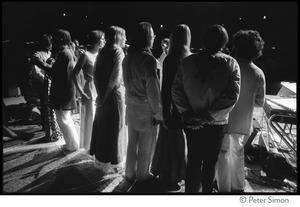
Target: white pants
{"points": [[230, 172], [67, 127], [140, 151]]}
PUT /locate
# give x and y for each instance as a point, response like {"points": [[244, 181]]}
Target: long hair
{"points": [[141, 37], [215, 38], [180, 41], [114, 36]]}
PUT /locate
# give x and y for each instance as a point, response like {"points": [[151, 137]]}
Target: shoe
{"points": [[64, 148]]}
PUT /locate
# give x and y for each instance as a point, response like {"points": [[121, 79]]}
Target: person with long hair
{"points": [[88, 93], [62, 94], [170, 156], [247, 46], [108, 126], [143, 103], [205, 89]]}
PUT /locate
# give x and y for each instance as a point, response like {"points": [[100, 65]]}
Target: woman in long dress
{"points": [[108, 124], [88, 93], [170, 157]]}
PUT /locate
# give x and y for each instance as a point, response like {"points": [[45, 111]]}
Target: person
{"points": [[40, 65], [109, 121], [62, 94], [88, 93], [165, 44], [230, 176], [205, 89], [143, 103], [170, 155]]}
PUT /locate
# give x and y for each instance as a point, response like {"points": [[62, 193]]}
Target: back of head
{"points": [[248, 44], [215, 38], [94, 37], [45, 43], [114, 36], [62, 37], [141, 37], [180, 40]]}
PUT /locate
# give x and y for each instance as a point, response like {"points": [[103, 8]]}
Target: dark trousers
{"points": [[203, 149]]}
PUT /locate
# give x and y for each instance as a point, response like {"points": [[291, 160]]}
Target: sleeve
{"points": [[178, 94], [231, 94], [261, 92], [152, 87], [36, 60], [116, 74], [79, 65]]}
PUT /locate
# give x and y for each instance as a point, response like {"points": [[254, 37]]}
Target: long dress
{"points": [[108, 126], [169, 161], [88, 107]]}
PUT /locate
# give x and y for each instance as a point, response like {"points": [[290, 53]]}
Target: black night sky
{"points": [[276, 21]]}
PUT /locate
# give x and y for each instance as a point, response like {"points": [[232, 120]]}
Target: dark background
{"points": [[24, 22]]}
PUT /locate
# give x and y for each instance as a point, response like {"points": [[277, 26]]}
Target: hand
{"points": [[84, 97], [156, 121]]}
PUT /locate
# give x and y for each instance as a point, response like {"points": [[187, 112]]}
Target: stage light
{"points": [[64, 14], [240, 18], [85, 16], [265, 17]]}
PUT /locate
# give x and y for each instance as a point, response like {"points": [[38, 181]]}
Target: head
{"points": [[248, 44], [45, 43], [73, 46], [142, 37], [165, 44], [76, 42], [61, 38], [215, 38], [180, 40], [115, 36], [96, 38]]}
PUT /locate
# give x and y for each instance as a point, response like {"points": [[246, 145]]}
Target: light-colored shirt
{"points": [[253, 89], [142, 88]]}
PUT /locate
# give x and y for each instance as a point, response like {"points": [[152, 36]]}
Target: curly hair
{"points": [[248, 44]]}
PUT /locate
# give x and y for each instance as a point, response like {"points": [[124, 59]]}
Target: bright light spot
{"points": [[240, 18], [265, 17], [85, 16], [161, 26], [101, 22], [64, 14], [273, 48]]}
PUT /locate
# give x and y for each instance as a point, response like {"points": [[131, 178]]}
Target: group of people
{"points": [[184, 116]]}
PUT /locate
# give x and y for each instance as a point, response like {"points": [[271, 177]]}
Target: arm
{"points": [[40, 63], [261, 92], [179, 97], [231, 94], [79, 65], [152, 87], [116, 74]]}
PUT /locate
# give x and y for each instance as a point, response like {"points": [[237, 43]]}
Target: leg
{"points": [[194, 161], [146, 146], [238, 165], [68, 129], [222, 168], [131, 158], [214, 135]]}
